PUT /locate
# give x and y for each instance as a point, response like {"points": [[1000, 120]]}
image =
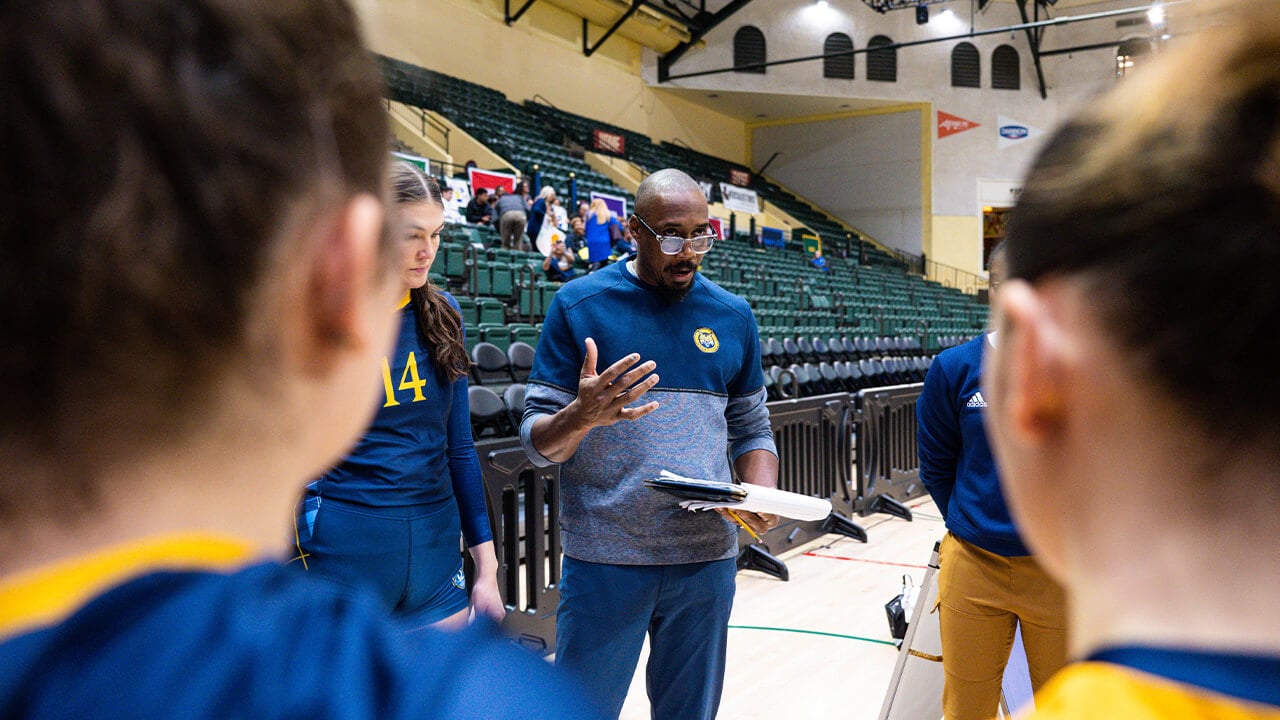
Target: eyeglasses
{"points": [[673, 244]]}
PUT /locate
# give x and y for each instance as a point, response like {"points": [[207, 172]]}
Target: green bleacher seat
{"points": [[501, 284], [491, 310], [470, 314], [496, 333], [527, 335]]}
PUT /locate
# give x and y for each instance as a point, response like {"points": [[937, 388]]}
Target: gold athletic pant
{"points": [[982, 596]]}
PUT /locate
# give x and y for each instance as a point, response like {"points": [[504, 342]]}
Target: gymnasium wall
{"points": [[865, 168], [949, 228], [542, 54]]}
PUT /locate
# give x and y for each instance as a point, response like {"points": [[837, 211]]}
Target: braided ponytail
{"points": [[439, 323]]}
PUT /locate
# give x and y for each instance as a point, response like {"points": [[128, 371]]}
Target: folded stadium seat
{"points": [[806, 348], [489, 365], [491, 311], [830, 378], [454, 259], [790, 351], [526, 334], [520, 360], [489, 415], [850, 348], [843, 380], [770, 388], [835, 348], [803, 380], [478, 278], [496, 334], [501, 283], [513, 398], [820, 351], [870, 372], [470, 315], [529, 302], [766, 353]]}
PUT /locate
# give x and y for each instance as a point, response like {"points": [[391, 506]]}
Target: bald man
{"points": [[635, 562]]}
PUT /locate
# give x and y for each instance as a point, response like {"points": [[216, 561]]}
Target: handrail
{"points": [[530, 285], [425, 121], [471, 255], [538, 96]]}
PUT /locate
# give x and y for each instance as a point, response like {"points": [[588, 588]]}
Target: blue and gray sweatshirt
{"points": [[711, 398], [955, 459]]}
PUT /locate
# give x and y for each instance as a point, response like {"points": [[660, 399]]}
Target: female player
{"points": [[197, 292], [1133, 398], [388, 516]]}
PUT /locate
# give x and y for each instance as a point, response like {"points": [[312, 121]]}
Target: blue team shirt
{"points": [[418, 450], [712, 410], [956, 465], [263, 643]]}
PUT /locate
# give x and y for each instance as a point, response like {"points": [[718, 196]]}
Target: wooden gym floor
{"points": [[818, 646]]}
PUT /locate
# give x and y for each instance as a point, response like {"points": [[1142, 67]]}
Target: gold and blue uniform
{"points": [[388, 516], [177, 627], [1142, 683]]}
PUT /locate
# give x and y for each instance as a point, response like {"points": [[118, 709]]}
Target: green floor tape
{"points": [[813, 632]]}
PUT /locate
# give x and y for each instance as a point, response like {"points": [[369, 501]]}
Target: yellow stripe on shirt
{"points": [[45, 595]]}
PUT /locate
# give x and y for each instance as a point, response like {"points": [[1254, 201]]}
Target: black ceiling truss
{"points": [[1029, 25]]}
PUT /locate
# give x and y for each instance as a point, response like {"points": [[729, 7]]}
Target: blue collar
{"points": [[1239, 675]]}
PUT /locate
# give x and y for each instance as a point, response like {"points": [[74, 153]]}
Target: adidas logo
{"points": [[976, 401]]}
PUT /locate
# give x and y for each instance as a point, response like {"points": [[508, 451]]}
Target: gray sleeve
{"points": [[748, 420], [539, 400]]}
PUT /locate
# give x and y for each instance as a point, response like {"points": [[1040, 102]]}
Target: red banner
{"points": [[718, 226], [949, 124], [610, 143], [741, 178], [489, 179]]}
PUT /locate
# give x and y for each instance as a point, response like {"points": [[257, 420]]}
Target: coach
{"points": [[635, 562]]}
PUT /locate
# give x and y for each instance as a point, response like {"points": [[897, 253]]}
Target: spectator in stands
{"points": [[635, 563], [512, 219], [988, 581], [541, 212], [522, 189], [451, 214], [583, 208], [387, 519], [558, 265], [626, 245], [478, 208], [819, 262], [1134, 404], [239, 263], [577, 238], [602, 227]]}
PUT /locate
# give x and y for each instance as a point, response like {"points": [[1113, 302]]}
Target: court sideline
{"points": [[818, 646]]}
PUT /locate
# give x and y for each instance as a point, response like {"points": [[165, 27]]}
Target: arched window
{"points": [[748, 49], [1129, 54], [841, 67], [882, 62], [1006, 69], [966, 66]]}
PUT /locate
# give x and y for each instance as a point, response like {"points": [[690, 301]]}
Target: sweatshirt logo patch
{"points": [[976, 401], [706, 340]]}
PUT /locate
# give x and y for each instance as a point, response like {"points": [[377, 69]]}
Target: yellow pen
{"points": [[744, 524]]}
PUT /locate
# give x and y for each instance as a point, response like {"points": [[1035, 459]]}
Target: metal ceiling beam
{"points": [[1033, 39], [589, 50], [511, 19], [1061, 20], [666, 61]]}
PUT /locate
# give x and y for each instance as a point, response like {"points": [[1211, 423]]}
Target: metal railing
{"points": [[423, 121]]}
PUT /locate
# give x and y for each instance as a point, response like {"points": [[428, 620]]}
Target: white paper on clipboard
{"points": [[760, 499]]}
